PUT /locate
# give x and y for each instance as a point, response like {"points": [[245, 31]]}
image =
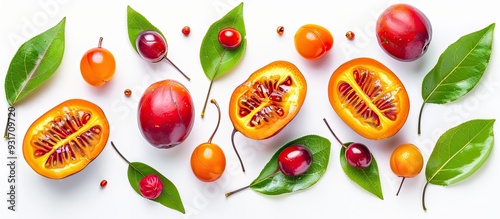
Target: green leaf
{"points": [[279, 183], [459, 68], [215, 59], [459, 153], [368, 178], [136, 23], [34, 62], [169, 197]]}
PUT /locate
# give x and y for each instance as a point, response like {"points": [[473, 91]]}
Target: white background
{"points": [[80, 195]]}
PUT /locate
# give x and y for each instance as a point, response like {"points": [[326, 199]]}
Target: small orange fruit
{"points": [[406, 161]]}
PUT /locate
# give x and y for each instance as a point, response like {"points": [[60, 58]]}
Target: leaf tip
{"points": [[182, 210], [62, 22]]}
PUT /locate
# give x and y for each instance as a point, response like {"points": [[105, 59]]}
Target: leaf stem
{"points": [[206, 99], [257, 182], [234, 147], [212, 81], [400, 185], [420, 116], [423, 196], [175, 66], [343, 145], [5, 134], [218, 120]]}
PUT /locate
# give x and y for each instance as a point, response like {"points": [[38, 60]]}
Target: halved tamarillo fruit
{"points": [[65, 139], [369, 98], [267, 101]]}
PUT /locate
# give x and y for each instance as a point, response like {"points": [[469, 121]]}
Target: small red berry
{"points": [[104, 183], [229, 38], [150, 186], [186, 30]]}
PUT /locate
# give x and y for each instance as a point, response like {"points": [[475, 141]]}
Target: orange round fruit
{"points": [[208, 162], [406, 161], [97, 65], [312, 41]]}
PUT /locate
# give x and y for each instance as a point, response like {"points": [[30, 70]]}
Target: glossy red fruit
{"points": [[403, 32], [294, 160], [186, 30], [229, 38], [150, 186], [358, 155], [166, 113], [151, 46]]}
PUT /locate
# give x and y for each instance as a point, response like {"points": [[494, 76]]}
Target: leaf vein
{"points": [[453, 155], [451, 71]]}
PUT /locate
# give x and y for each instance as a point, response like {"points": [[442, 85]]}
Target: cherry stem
{"points": [[100, 42], [420, 116], [334, 134], [400, 185], [218, 120], [423, 196], [121, 155], [234, 147], [259, 181], [128, 162], [189, 79], [206, 99]]}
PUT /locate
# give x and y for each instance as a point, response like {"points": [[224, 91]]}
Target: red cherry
{"points": [[151, 46], [294, 160], [150, 186], [358, 155], [229, 38]]}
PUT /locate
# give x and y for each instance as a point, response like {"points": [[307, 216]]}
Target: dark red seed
{"points": [[104, 183]]}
